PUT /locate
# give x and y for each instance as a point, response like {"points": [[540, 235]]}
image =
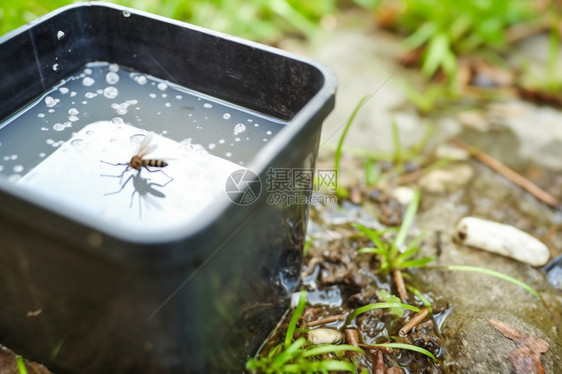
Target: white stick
{"points": [[502, 239]]}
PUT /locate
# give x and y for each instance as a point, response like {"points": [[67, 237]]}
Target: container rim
{"points": [[319, 105]]}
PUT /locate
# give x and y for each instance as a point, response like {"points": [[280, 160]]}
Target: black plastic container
{"points": [[82, 295]]}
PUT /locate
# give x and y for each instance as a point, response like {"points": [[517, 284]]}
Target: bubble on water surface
{"points": [[50, 101], [228, 154], [112, 77], [87, 71], [63, 90], [207, 105], [179, 97], [60, 35], [58, 127], [162, 86], [42, 155], [41, 115], [212, 146], [117, 121], [126, 14], [239, 128], [73, 111], [167, 105], [268, 132], [18, 168], [110, 92], [55, 67], [113, 67], [140, 79], [226, 116], [73, 118], [90, 95], [88, 81], [152, 95]]}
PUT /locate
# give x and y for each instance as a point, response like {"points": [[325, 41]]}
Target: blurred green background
{"points": [[261, 20]]}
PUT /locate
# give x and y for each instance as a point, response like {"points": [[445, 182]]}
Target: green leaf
{"points": [[408, 220], [21, 365], [417, 293], [385, 305], [496, 274], [416, 263], [437, 51], [409, 347], [330, 348], [295, 318]]}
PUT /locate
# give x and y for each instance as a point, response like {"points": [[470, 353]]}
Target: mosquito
{"points": [[138, 161]]}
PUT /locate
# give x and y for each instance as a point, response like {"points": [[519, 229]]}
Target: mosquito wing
{"points": [[145, 147]]}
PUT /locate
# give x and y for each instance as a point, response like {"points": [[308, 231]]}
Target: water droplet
{"points": [[126, 14], [237, 139], [207, 105], [110, 92], [77, 143], [221, 141], [42, 155], [18, 168], [114, 68], [240, 127], [88, 81], [167, 105], [50, 141], [55, 67], [73, 111], [41, 115], [117, 121], [112, 77], [73, 93], [226, 116], [264, 139], [73, 118], [162, 86], [152, 96], [50, 102], [1, 167], [58, 127], [99, 92], [60, 35], [90, 95], [63, 90], [51, 110], [6, 158], [164, 132], [179, 97], [256, 125], [212, 146], [13, 157], [87, 71], [268, 132], [250, 120], [228, 154], [44, 129], [137, 138]]}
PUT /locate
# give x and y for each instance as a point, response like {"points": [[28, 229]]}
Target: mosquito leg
{"points": [[159, 171], [121, 189]]}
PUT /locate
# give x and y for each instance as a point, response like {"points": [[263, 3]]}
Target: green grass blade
{"points": [[408, 347], [330, 348], [295, 318], [371, 250], [374, 235], [398, 151], [21, 365], [288, 354], [319, 366], [408, 219], [337, 155], [386, 305], [496, 274], [416, 263], [417, 293]]}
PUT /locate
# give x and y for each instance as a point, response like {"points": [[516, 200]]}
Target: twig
{"points": [[508, 173], [324, 321], [400, 286], [420, 316], [380, 367], [352, 337]]}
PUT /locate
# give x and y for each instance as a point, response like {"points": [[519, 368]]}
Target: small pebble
{"points": [[502, 239], [324, 335]]}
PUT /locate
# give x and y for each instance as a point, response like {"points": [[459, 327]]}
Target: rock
{"points": [[451, 152], [403, 195], [554, 272], [439, 180], [502, 239]]}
